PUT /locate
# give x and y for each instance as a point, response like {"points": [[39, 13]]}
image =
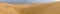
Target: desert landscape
{"points": [[48, 8]]}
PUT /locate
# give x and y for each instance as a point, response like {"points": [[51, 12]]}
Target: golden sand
{"points": [[49, 8]]}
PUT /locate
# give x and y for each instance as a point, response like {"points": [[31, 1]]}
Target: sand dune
{"points": [[49, 8]]}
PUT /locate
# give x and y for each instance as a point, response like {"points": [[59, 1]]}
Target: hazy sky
{"points": [[26, 1]]}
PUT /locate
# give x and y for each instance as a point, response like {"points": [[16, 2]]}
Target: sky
{"points": [[26, 1]]}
